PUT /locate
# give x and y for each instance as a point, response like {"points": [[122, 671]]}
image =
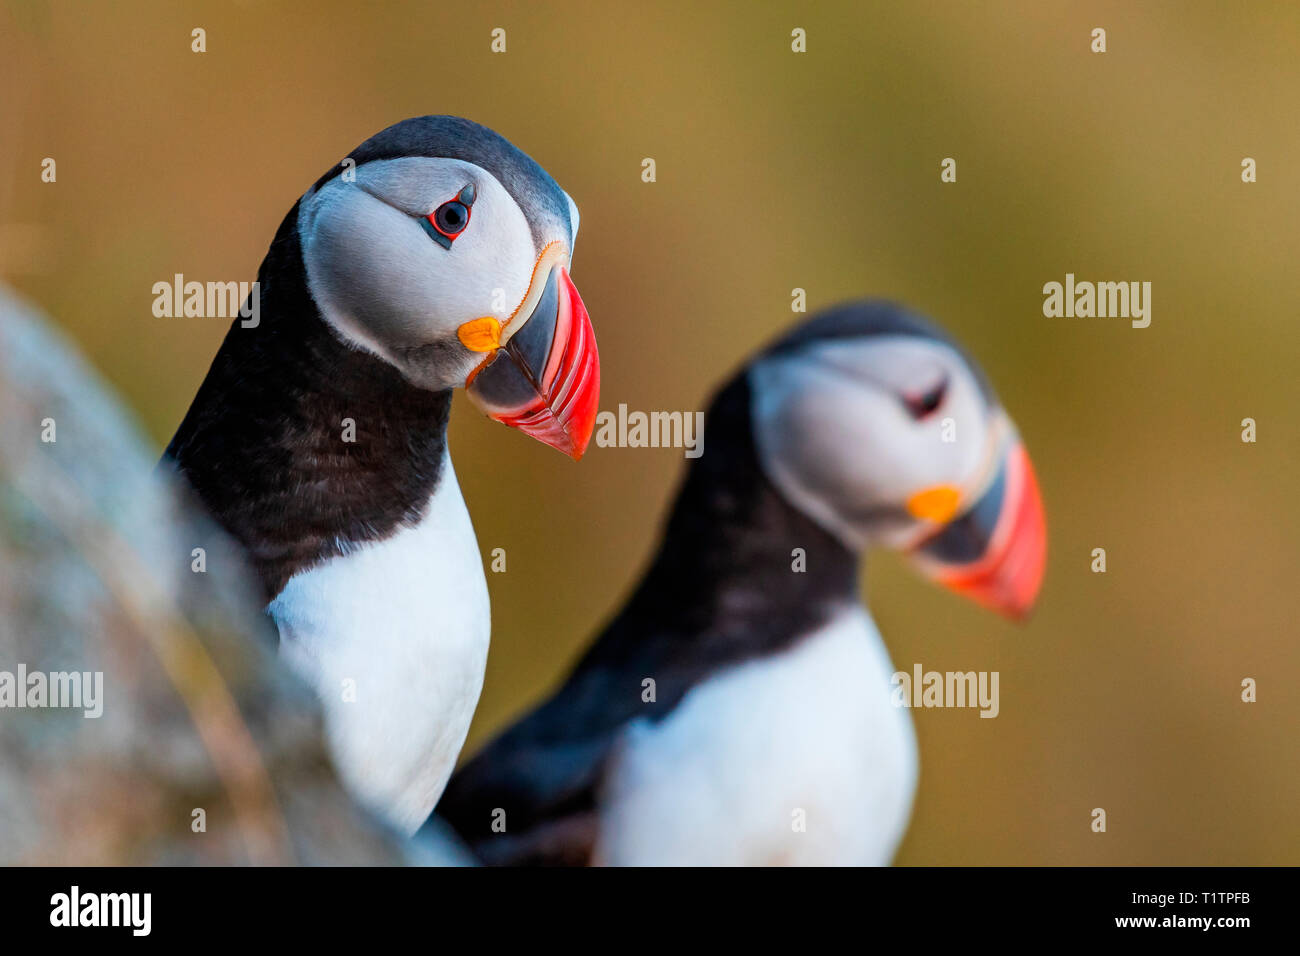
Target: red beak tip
{"points": [[1019, 613], [1008, 578], [562, 411]]}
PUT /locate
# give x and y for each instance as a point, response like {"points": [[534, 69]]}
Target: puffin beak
{"points": [[995, 552], [544, 379]]}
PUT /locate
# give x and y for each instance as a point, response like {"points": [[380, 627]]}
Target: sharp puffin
{"points": [[435, 256], [772, 690]]}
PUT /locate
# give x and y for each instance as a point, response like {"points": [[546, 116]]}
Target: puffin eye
{"points": [[921, 406], [449, 220], [451, 217]]}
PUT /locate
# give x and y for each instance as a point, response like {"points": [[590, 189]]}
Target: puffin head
{"points": [[879, 427], [440, 248]]}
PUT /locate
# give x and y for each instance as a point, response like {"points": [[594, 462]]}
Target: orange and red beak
{"points": [[994, 553], [545, 379]]}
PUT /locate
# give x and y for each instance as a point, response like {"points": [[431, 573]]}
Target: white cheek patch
{"points": [[383, 283], [834, 436], [945, 448], [811, 428]]}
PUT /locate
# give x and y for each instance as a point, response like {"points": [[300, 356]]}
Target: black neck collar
{"points": [[722, 587], [263, 442]]}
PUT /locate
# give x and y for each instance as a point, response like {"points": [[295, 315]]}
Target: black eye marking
{"points": [[449, 220], [923, 405]]}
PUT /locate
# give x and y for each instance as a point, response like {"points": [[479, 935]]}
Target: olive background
{"points": [[779, 170]]}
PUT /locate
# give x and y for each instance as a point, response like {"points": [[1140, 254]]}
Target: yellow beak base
{"points": [[480, 335], [937, 504]]}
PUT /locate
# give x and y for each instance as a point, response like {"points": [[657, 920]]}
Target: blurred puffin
{"points": [[435, 256], [772, 689]]}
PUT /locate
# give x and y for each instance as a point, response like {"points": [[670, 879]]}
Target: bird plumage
{"points": [[318, 438], [261, 443], [718, 593], [738, 709]]}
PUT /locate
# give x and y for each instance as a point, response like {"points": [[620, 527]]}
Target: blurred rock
{"points": [[96, 555]]}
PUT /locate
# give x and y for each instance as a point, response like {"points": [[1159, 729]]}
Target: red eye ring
{"points": [[450, 219], [924, 405]]}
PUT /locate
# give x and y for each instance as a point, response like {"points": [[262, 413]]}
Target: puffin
{"points": [[435, 256], [740, 709]]}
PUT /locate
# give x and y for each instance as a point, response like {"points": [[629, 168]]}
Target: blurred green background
{"points": [[819, 171]]}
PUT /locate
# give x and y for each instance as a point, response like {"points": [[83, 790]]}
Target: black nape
{"points": [[722, 589], [300, 445], [723, 584]]}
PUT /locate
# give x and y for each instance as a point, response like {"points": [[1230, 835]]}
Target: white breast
{"points": [[394, 637], [808, 737]]}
